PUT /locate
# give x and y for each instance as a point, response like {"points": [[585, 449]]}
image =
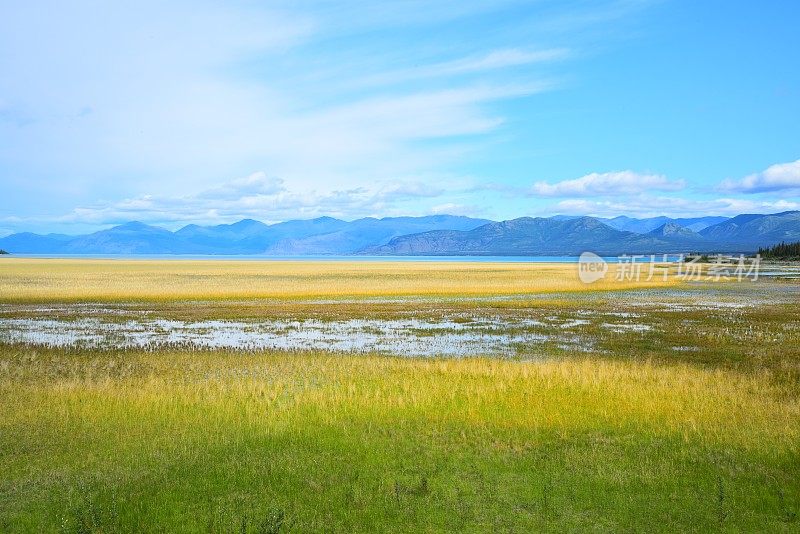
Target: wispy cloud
{"points": [[498, 59], [173, 92], [493, 60], [607, 184], [256, 184], [778, 177]]}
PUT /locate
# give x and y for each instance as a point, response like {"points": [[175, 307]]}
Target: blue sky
{"points": [[199, 112]]}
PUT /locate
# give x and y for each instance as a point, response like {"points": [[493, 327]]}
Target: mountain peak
{"points": [[247, 223], [670, 228], [586, 223], [675, 233], [133, 226]]}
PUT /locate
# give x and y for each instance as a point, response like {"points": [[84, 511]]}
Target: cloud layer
{"points": [[779, 177], [653, 206], [269, 198], [262, 197], [607, 184]]}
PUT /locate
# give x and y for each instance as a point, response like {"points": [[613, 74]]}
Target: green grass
{"points": [[221, 442]]}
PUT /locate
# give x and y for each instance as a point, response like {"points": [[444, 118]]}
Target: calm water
{"points": [[259, 257], [466, 336]]}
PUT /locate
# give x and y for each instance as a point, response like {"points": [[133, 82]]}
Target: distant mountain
{"points": [[253, 237], [129, 238], [323, 235], [568, 236], [699, 223], [233, 232], [565, 217], [368, 232], [680, 238], [673, 230], [643, 226], [640, 226], [528, 237], [29, 243], [750, 231], [432, 235]]}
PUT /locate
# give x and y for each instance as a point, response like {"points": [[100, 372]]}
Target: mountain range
{"points": [[320, 236], [436, 235]]}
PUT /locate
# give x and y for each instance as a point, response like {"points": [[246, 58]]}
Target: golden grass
{"points": [[713, 406], [40, 280]]}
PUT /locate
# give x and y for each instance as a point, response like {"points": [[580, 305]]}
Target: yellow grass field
{"points": [[42, 280]]}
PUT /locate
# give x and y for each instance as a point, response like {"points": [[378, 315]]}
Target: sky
{"points": [[178, 112]]}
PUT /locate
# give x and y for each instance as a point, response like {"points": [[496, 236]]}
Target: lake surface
{"points": [[403, 337], [260, 257]]}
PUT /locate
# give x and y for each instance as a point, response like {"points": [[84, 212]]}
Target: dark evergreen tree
{"points": [[781, 251]]}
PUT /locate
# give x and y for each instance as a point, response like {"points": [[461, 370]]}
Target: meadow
{"points": [[61, 280], [691, 424]]}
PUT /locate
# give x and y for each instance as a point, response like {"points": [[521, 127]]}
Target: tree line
{"points": [[781, 251]]}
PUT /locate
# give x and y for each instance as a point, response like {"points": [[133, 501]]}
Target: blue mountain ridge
{"points": [[574, 235], [430, 235], [320, 236]]}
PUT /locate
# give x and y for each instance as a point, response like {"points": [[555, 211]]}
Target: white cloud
{"points": [[653, 206], [257, 196], [779, 177], [607, 184], [451, 208], [257, 183]]}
